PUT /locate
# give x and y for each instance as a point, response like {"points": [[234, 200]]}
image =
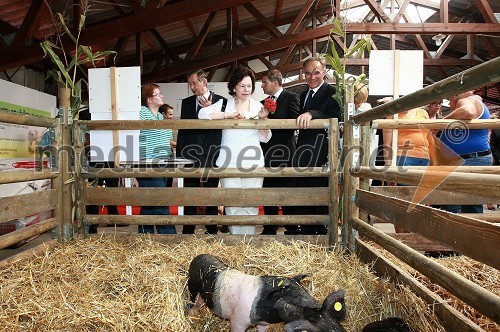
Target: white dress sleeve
{"points": [[207, 113]]}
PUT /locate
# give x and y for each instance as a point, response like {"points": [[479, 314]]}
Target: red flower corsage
{"points": [[270, 105]]}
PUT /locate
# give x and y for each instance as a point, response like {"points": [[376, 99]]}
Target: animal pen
{"points": [[351, 229]]}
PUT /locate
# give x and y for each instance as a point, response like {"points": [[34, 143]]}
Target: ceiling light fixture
{"points": [[438, 39]]}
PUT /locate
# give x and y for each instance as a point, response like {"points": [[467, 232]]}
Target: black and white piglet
{"points": [[247, 300]]}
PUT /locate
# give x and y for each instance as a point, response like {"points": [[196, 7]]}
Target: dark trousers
{"points": [[209, 210], [155, 210]]}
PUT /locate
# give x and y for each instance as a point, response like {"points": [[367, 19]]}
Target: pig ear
{"points": [[299, 277], [334, 304]]}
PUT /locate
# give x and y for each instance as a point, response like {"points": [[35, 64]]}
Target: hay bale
{"points": [[100, 285]]}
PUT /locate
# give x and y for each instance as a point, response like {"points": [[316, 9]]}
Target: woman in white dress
{"points": [[240, 148]]}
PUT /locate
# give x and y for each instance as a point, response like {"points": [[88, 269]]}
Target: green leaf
{"points": [[65, 27], [337, 28], [360, 45], [57, 61], [82, 22], [334, 60], [56, 75]]}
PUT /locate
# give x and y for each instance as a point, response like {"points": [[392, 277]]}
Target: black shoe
{"points": [[211, 233], [224, 229], [268, 232]]}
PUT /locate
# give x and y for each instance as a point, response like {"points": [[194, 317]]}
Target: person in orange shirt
{"points": [[415, 146]]}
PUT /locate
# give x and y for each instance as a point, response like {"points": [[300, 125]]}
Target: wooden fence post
{"points": [[333, 161], [351, 157], [65, 156]]}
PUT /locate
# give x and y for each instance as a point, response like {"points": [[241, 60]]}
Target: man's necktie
{"points": [[308, 100]]}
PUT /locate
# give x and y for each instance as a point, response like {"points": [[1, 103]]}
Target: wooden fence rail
{"points": [[198, 124], [207, 196], [450, 318], [485, 185], [209, 220], [26, 119], [460, 233], [189, 172], [26, 175], [470, 79], [481, 299], [434, 124], [14, 207]]}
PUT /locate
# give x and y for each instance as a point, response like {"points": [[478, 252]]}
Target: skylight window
{"points": [[415, 14]]}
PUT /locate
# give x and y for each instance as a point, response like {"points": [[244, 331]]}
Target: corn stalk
{"points": [[67, 63], [339, 64]]}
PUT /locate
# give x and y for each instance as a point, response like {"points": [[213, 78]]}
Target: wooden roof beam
{"points": [[486, 12], [37, 13], [30, 54], [7, 28], [262, 19], [245, 41], [119, 47], [300, 17], [201, 37], [378, 11], [134, 5], [279, 9], [152, 18], [165, 47]]}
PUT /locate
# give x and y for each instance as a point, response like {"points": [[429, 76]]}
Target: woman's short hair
{"points": [[360, 94], [147, 91], [238, 75]]}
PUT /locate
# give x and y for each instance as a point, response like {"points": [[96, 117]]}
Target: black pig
{"points": [[248, 300]]}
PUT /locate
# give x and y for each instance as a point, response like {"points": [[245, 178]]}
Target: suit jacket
{"points": [[312, 145], [201, 145], [280, 149]]}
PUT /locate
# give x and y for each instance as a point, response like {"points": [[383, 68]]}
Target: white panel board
{"points": [[38, 103], [101, 145], [17, 142], [381, 71], [173, 93], [128, 94]]}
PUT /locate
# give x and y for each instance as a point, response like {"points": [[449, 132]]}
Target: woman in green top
{"points": [[154, 144]]}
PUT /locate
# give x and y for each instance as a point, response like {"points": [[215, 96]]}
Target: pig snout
{"points": [[203, 274]]}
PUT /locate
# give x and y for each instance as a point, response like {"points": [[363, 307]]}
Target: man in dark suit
{"points": [[312, 145], [202, 146], [279, 150]]}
